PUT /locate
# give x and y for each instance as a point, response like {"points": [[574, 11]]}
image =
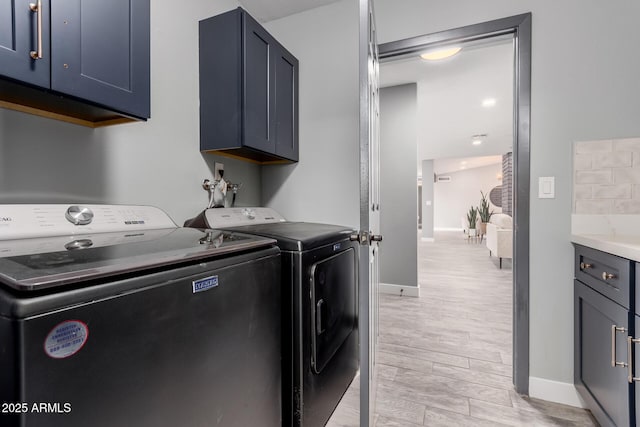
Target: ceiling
{"points": [[456, 164], [450, 95], [270, 10]]}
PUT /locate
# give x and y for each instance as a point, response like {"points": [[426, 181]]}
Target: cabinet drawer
{"points": [[608, 274]]}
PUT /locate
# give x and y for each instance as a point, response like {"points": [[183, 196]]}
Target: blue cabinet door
{"points": [[600, 356], [100, 53], [259, 84], [286, 92], [19, 34]]}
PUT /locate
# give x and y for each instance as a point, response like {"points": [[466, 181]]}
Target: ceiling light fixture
{"points": [[489, 102], [435, 55]]}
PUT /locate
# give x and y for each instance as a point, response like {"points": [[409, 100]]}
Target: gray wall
{"points": [[324, 186], [156, 163], [398, 171], [576, 95], [428, 199]]}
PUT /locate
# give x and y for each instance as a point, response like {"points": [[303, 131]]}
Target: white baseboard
{"points": [[555, 391], [405, 291], [447, 229]]}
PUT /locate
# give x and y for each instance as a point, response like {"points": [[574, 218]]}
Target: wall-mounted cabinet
{"points": [[83, 61], [248, 91]]}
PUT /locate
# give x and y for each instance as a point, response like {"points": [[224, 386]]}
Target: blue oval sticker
{"points": [[66, 339]]}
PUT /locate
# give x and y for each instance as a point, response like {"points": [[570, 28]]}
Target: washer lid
{"points": [[299, 236], [39, 263]]}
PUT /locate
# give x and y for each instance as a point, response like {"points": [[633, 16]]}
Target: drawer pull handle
{"points": [[37, 9], [608, 276], [614, 363], [585, 266], [630, 342]]}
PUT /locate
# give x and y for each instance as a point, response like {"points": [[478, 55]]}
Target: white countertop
{"points": [[620, 245], [615, 234]]}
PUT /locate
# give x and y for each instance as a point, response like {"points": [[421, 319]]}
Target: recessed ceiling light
{"points": [[489, 102], [435, 55], [476, 142]]}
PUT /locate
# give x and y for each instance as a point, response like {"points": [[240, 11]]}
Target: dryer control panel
{"points": [[234, 217]]}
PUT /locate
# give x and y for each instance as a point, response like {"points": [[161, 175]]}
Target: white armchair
{"points": [[500, 236]]}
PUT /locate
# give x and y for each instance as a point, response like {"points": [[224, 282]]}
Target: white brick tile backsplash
{"points": [[594, 207], [606, 177], [595, 177], [616, 159], [582, 192], [628, 144], [583, 161], [626, 207], [626, 175], [617, 191], [593, 146]]}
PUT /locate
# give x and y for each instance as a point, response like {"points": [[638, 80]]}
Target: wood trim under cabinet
{"points": [[62, 117]]}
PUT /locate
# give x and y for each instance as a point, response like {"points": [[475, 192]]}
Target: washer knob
{"points": [[79, 215]]}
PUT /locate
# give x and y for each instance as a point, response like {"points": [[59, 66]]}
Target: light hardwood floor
{"points": [[445, 358]]}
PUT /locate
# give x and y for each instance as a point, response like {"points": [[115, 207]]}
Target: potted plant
{"points": [[485, 214], [472, 218]]}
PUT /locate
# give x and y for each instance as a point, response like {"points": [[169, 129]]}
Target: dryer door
{"points": [[333, 305]]}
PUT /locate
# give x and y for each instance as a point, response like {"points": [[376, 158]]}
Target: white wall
{"points": [[398, 196], [157, 162], [453, 199], [428, 208], [584, 87], [324, 185]]}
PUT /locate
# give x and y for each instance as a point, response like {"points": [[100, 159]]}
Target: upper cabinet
{"points": [[83, 61], [248, 91]]}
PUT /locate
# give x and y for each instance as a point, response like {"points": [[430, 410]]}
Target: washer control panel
{"points": [[79, 215], [27, 221]]}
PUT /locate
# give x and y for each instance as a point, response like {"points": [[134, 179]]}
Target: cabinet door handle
{"points": [[630, 342], [608, 276], [614, 330], [585, 266], [37, 8]]}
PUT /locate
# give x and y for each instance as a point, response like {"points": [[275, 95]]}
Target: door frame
{"points": [[520, 27]]}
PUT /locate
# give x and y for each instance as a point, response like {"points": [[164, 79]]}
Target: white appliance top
{"points": [[29, 221], [43, 246], [234, 217]]}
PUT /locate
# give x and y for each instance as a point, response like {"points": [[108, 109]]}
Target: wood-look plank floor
{"points": [[444, 359]]}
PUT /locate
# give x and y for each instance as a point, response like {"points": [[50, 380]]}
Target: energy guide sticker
{"points": [[66, 339]]}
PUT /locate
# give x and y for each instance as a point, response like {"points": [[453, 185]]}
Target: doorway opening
{"points": [[518, 30]]}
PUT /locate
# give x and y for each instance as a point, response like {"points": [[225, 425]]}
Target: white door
{"points": [[369, 211]]}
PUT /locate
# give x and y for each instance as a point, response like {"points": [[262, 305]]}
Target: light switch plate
{"points": [[547, 187]]}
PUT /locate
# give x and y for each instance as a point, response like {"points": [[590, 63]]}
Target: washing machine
{"points": [[112, 315], [320, 300]]}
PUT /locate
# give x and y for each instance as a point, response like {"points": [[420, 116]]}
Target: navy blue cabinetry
{"points": [[248, 91], [603, 323], [18, 38], [92, 64]]}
